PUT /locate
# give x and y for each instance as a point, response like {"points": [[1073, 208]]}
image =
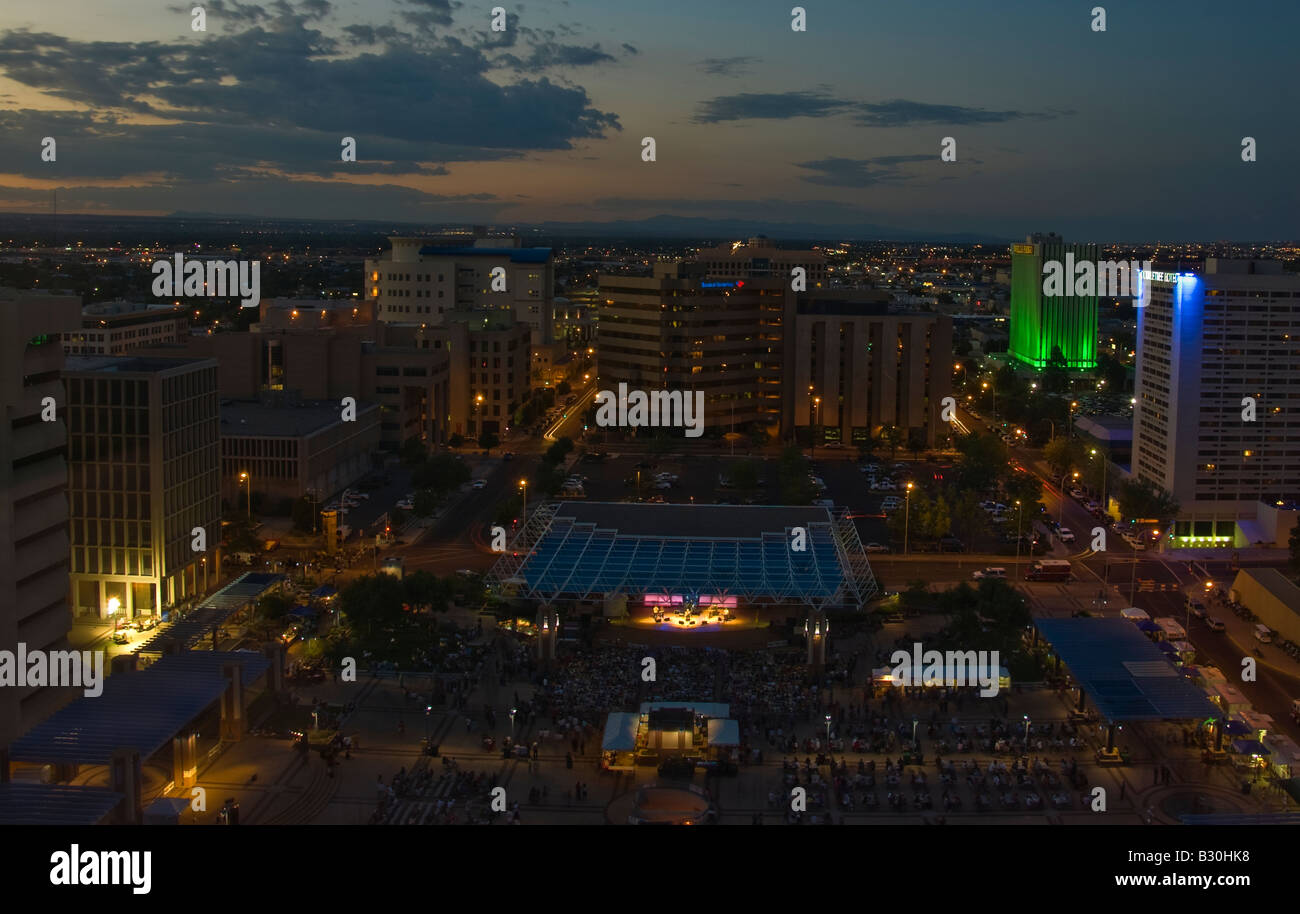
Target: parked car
{"points": [[1215, 624], [479, 483], [1065, 535], [877, 547]]}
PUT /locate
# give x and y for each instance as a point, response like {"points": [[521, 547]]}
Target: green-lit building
{"points": [[1040, 322]]}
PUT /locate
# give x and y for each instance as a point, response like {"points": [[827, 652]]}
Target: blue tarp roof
{"points": [[1125, 675], [28, 803], [302, 611], [324, 591], [743, 551], [724, 733], [141, 710]]}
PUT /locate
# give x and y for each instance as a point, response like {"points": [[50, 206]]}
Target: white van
{"points": [[1263, 634], [990, 573]]}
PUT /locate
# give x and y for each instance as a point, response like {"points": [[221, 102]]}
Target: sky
{"points": [[1129, 134]]}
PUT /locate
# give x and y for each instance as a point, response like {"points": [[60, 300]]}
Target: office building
{"points": [[842, 364], [1217, 419], [678, 329], [113, 328], [853, 367], [328, 350], [1040, 323], [426, 280], [143, 474], [489, 374], [33, 491], [758, 258], [294, 449]]}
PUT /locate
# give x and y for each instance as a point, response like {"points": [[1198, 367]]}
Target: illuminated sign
{"points": [[723, 285], [1022, 249], [1166, 277]]}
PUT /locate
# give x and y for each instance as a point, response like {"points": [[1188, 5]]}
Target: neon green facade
{"points": [[1040, 322]]}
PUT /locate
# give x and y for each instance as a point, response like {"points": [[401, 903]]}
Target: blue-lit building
{"points": [[1217, 415]]}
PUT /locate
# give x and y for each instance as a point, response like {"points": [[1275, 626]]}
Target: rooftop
{"points": [[252, 419], [128, 364]]}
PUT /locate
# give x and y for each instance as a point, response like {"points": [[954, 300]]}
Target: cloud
{"points": [[820, 103], [903, 113], [725, 66], [769, 106], [843, 172]]}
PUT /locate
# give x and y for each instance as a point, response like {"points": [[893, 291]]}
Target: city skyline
{"points": [[754, 122]]}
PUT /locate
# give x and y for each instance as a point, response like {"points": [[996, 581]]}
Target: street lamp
{"points": [[523, 484], [247, 478], [828, 733], [1026, 731], [915, 720], [1105, 502], [1074, 404], [1019, 513], [907, 516], [513, 712]]}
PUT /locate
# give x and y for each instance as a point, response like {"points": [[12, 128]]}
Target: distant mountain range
{"points": [[665, 227]]}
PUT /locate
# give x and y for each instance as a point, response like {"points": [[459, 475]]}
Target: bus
{"points": [[1049, 570]]}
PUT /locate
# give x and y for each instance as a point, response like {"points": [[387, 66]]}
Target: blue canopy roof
{"points": [[582, 551], [323, 592], [29, 803], [140, 710], [1123, 672], [1250, 747]]}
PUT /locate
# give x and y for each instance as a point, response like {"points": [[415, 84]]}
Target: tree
{"points": [[274, 606], [970, 522], [744, 475], [563, 388], [1063, 455], [456, 440], [1056, 376], [938, 518], [425, 589], [413, 451], [1294, 544], [488, 440], [891, 437], [916, 441], [983, 461], [426, 502], [373, 602], [304, 515], [1141, 498]]}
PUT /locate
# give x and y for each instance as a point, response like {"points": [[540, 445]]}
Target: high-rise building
{"points": [[33, 490], [1217, 418], [144, 473], [425, 280], [842, 363], [854, 366], [680, 330], [1041, 323], [488, 370]]}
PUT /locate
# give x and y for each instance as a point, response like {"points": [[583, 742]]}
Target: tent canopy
{"points": [[724, 733], [620, 732]]}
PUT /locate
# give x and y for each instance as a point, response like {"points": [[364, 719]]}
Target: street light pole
{"points": [[1019, 513], [524, 517], [247, 479], [907, 517]]}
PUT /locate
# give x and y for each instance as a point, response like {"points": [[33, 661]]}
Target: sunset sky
{"points": [[1129, 134]]}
